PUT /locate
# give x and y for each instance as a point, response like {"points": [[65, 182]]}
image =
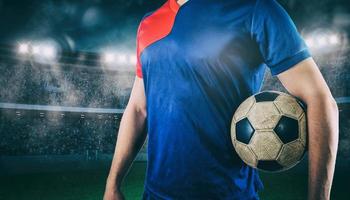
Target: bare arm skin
{"points": [[305, 81], [131, 137]]}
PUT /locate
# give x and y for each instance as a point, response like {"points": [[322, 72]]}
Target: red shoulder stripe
{"points": [[155, 27]]}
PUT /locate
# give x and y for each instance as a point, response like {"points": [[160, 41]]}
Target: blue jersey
{"points": [[199, 61]]}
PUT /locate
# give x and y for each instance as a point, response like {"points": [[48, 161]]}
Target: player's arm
{"points": [[305, 81], [131, 137]]}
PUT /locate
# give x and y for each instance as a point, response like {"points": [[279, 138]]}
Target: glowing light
{"points": [[319, 40], [322, 40], [23, 48], [334, 39], [44, 51], [35, 49], [122, 58], [48, 51], [108, 58]]}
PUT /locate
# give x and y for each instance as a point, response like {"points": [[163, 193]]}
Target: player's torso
{"points": [[198, 63]]}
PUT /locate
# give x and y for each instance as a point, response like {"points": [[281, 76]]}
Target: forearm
{"points": [[131, 137], [322, 115]]}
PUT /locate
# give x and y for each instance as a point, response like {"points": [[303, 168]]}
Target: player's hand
{"points": [[113, 194]]}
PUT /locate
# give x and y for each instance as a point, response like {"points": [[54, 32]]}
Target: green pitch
{"points": [[89, 185]]}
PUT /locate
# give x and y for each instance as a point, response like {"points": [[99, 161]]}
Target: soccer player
{"points": [[196, 62]]}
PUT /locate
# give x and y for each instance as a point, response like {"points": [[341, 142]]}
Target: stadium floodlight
{"points": [[334, 39], [35, 49], [44, 51], [319, 39], [48, 51], [117, 58], [322, 40], [122, 58], [108, 58], [23, 48]]}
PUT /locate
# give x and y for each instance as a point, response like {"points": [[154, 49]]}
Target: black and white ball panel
{"points": [[287, 129], [245, 129], [266, 96]]}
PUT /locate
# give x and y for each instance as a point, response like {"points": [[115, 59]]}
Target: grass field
{"points": [[89, 185]]}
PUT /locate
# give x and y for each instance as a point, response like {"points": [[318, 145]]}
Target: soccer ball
{"points": [[269, 131]]}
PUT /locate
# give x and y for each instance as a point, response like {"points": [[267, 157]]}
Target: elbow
{"points": [[324, 101], [325, 113]]}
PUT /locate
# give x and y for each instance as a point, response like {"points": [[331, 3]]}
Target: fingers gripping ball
{"points": [[269, 131]]}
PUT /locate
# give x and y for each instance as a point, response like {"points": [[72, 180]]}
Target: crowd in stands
{"points": [[82, 87], [34, 134]]}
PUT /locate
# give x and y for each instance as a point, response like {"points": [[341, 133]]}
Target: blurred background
{"points": [[66, 72]]}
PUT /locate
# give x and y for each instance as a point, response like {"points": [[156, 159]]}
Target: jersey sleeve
{"points": [[138, 62], [279, 42]]}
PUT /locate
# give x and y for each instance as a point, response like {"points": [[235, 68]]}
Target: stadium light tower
{"points": [[41, 51], [108, 58], [23, 48], [319, 39], [35, 49], [49, 51], [122, 58], [322, 40], [44, 51], [334, 39]]}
